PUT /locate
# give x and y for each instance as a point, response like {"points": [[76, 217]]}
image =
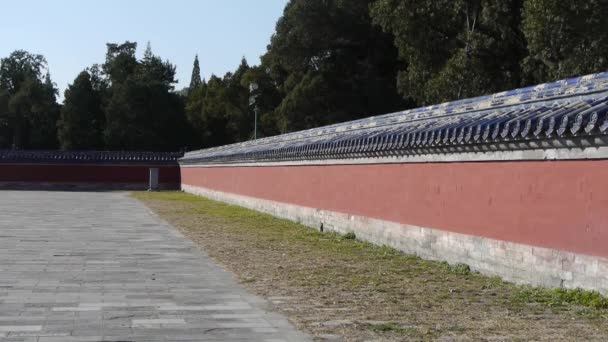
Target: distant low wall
{"points": [[541, 222], [86, 170]]}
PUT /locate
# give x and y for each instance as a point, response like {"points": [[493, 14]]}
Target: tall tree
{"points": [[142, 112], [120, 61], [195, 80], [194, 101], [331, 64], [6, 138], [224, 116], [268, 97], [454, 49], [240, 117], [28, 106], [194, 97], [82, 120], [44, 116], [565, 38]]}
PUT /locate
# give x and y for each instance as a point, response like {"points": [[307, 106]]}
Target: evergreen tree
{"points": [[142, 112], [5, 128], [194, 107], [82, 121], [328, 61], [239, 115], [225, 116], [120, 61], [565, 38], [195, 80], [331, 64], [148, 52], [28, 106], [267, 100], [454, 49], [44, 116]]}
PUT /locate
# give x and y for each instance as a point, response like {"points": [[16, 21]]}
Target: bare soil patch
{"points": [[337, 287]]}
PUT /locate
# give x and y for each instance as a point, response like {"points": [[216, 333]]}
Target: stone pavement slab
{"points": [[99, 266]]}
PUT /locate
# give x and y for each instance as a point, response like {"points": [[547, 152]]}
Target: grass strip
{"points": [[336, 286]]}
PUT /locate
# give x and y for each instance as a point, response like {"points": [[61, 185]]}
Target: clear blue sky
{"points": [[72, 34]]}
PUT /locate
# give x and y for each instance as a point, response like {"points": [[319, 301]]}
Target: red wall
{"points": [[86, 173], [555, 204]]}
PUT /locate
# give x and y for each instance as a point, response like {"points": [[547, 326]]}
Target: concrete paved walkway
{"points": [[77, 266]]}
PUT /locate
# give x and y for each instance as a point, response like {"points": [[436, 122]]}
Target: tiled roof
{"points": [[86, 157], [570, 110]]}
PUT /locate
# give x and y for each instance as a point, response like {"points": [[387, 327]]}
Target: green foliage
{"points": [[268, 98], [328, 61], [352, 273], [349, 236], [562, 297], [461, 269], [219, 109], [195, 80], [5, 128], [193, 108], [330, 64], [565, 38], [212, 115], [120, 61], [19, 68], [126, 104], [82, 120], [454, 49], [28, 106], [142, 111]]}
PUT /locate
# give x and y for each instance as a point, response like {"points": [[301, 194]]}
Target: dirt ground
{"points": [[338, 288]]}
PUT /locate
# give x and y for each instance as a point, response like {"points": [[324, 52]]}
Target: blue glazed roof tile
{"points": [[575, 108], [84, 157]]}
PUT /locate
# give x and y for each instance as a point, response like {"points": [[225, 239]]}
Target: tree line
{"points": [[328, 61]]}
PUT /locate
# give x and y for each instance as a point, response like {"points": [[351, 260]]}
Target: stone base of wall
{"points": [[513, 262], [82, 186]]}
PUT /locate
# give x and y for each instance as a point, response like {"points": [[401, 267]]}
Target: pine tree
{"points": [[142, 112], [81, 124], [148, 53], [195, 81]]}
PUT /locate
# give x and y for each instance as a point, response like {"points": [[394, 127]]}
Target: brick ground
{"points": [[98, 266]]}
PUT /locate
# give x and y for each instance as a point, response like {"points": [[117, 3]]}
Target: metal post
{"points": [[255, 127], [253, 87], [153, 179]]}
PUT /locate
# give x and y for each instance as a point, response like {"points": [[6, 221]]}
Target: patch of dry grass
{"points": [[336, 286]]}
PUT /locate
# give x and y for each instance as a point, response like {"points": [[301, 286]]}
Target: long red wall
{"points": [[78, 173], [554, 204]]}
